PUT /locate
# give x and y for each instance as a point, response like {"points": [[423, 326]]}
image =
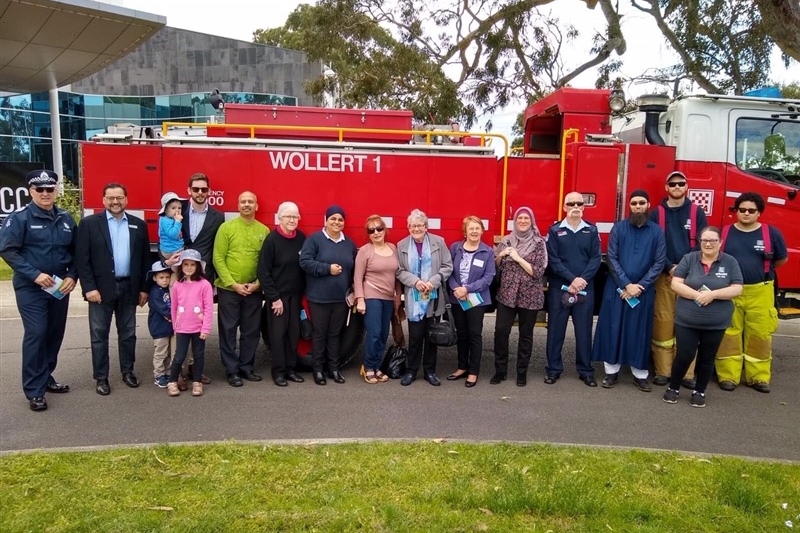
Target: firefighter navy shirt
{"points": [[723, 272], [748, 249]]}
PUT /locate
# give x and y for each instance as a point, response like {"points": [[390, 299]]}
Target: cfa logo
{"points": [[13, 199]]}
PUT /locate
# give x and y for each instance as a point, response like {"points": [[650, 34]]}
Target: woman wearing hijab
{"points": [[425, 265], [328, 259], [521, 259]]}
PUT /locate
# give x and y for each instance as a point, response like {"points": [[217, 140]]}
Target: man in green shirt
{"points": [[236, 250]]}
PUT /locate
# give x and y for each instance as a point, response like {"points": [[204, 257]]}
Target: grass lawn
{"points": [[426, 486], [5, 271]]}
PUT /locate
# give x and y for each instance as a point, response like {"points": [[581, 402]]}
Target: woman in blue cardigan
{"points": [[473, 271]]}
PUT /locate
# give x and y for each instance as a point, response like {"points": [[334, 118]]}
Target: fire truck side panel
{"points": [[447, 188], [532, 182]]}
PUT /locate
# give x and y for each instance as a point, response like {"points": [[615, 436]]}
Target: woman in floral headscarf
{"points": [[521, 259]]}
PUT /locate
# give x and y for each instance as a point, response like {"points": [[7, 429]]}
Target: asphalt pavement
{"points": [[743, 422]]}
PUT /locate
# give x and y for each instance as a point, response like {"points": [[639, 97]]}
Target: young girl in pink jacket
{"points": [[192, 311]]}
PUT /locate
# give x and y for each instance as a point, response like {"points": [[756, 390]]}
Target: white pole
{"points": [[55, 129]]}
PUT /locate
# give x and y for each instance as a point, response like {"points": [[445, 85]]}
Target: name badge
{"points": [[133, 226], [477, 262], [37, 227], [561, 233]]}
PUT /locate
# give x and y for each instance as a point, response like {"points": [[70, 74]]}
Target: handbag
{"points": [[394, 362], [443, 332]]}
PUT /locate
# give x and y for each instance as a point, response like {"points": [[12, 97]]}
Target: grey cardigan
{"points": [[441, 268]]}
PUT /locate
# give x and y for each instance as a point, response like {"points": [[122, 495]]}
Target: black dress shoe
{"points": [[249, 375], [522, 379], [103, 388], [408, 379], [456, 377], [589, 380], [130, 379], [57, 388], [38, 404], [432, 379], [234, 380], [642, 384], [470, 384], [687, 383], [319, 378], [336, 376], [291, 376], [610, 381], [280, 381], [497, 378], [550, 379]]}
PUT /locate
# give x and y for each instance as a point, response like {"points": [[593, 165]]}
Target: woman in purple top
{"points": [[473, 271], [376, 295], [521, 259]]}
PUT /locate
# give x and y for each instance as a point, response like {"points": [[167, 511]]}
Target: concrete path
{"points": [[743, 422]]}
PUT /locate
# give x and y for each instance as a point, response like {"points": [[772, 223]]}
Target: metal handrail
{"points": [[571, 132]]}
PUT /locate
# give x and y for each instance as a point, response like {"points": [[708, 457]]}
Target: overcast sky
{"points": [[239, 18]]}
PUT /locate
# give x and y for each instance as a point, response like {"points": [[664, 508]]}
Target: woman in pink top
{"points": [[375, 291], [192, 311]]}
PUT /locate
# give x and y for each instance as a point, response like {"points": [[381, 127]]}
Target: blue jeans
{"points": [[376, 322], [123, 307]]}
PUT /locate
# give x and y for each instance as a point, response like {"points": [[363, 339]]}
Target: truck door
{"points": [[764, 157]]}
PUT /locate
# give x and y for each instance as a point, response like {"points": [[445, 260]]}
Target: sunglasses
{"points": [[640, 202], [44, 189], [677, 184], [199, 189], [748, 210], [574, 204], [376, 228]]}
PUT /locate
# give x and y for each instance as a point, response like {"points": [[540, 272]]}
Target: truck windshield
{"points": [[769, 148]]}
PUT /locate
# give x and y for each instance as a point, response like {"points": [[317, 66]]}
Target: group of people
{"points": [[675, 285]]}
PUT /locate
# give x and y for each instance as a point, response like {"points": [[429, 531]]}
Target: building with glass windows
{"points": [[167, 78]]}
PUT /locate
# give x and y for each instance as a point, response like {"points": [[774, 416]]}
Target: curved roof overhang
{"points": [[46, 44]]}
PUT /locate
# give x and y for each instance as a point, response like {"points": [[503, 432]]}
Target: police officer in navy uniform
{"points": [[38, 243], [573, 253]]}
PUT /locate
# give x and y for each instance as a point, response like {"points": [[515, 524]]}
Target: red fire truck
{"points": [[371, 161]]}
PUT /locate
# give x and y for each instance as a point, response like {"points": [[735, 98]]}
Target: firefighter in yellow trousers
{"points": [[759, 249]]}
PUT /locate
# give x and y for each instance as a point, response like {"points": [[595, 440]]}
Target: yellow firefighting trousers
{"points": [[663, 342], [748, 340]]}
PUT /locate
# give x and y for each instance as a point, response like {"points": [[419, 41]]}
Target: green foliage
{"points": [[791, 91], [70, 200], [407, 487]]}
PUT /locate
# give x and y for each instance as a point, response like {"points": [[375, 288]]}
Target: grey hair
{"points": [[417, 214], [285, 207]]}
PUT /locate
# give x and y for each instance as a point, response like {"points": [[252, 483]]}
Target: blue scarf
{"points": [[420, 267]]}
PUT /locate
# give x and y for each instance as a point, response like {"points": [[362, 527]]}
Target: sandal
{"points": [[380, 376], [369, 377]]}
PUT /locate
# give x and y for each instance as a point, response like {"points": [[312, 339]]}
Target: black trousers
{"points": [[691, 341], [284, 334], [502, 330], [469, 327], [237, 313], [327, 321], [121, 307], [419, 349], [182, 342], [557, 319]]}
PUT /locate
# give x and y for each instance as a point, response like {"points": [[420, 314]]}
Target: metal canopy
{"points": [[46, 44]]}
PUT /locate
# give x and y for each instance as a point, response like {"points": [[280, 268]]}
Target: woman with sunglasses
{"points": [[473, 271], [376, 292], [705, 282]]}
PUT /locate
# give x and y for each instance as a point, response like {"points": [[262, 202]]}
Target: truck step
{"points": [[787, 313]]}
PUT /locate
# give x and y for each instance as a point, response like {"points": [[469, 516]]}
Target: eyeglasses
{"points": [[640, 202], [115, 198], [748, 210], [416, 226], [376, 228], [709, 241], [574, 204], [199, 189], [677, 184], [291, 217], [44, 189]]}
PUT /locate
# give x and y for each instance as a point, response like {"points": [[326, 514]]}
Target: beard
{"points": [[639, 219]]}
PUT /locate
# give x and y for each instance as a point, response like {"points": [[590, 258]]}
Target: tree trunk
{"points": [[782, 18]]}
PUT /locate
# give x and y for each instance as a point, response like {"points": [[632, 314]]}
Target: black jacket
{"points": [[95, 261], [204, 243]]}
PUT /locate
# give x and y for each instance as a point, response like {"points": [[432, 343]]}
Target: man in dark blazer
{"points": [[112, 257], [201, 222]]}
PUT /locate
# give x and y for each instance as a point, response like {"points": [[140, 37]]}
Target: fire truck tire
{"points": [[351, 339]]}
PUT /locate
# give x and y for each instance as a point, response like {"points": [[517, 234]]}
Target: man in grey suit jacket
{"points": [[112, 256], [201, 222]]}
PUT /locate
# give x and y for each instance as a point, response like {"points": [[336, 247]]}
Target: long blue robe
{"points": [[623, 334]]}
